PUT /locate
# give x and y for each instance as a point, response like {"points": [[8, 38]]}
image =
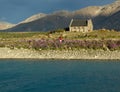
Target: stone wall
{"points": [[90, 25]]}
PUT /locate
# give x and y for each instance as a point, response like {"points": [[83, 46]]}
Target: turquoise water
{"points": [[59, 76]]}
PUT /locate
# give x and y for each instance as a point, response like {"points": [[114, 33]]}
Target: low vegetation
{"points": [[98, 39]]}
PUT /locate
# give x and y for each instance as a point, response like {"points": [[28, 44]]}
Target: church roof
{"points": [[78, 23]]}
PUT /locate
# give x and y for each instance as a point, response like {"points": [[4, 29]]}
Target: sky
{"points": [[14, 11]]}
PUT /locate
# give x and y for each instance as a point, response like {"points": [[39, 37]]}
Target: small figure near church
{"points": [[60, 39]]}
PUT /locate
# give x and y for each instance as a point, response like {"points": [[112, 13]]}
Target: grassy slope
{"points": [[50, 41], [98, 34]]}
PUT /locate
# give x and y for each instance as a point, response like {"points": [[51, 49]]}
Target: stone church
{"points": [[81, 25]]}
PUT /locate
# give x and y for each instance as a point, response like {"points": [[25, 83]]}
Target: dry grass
{"points": [[96, 34]]}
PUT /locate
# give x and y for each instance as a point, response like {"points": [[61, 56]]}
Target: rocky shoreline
{"points": [[7, 53]]}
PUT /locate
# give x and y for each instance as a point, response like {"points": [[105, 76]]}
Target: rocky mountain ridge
{"points": [[34, 17]]}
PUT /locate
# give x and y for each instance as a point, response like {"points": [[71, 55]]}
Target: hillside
{"points": [[109, 22], [106, 16], [99, 44]]}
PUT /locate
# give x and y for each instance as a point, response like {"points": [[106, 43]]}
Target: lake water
{"points": [[59, 76]]}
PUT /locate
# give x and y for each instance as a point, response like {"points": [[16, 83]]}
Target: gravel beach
{"points": [[7, 53]]}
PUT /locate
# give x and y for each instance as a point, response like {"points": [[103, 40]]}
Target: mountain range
{"points": [[106, 16]]}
